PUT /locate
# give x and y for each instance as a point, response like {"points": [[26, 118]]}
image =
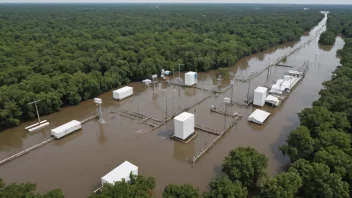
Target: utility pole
{"points": [[173, 102], [179, 73], [36, 108], [232, 84], [249, 85], [267, 75], [166, 107], [225, 116]]}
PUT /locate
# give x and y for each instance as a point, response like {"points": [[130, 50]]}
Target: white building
{"points": [[285, 85], [122, 93], [65, 129], [184, 125], [260, 94], [123, 171], [258, 116], [190, 78]]}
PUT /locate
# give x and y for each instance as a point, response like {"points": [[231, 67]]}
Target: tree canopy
{"points": [[245, 165], [26, 190], [284, 185], [222, 187], [318, 181], [321, 147], [65, 54], [138, 187], [180, 191]]}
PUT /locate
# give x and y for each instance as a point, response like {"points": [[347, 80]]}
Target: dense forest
{"points": [[321, 148], [338, 23], [64, 54]]}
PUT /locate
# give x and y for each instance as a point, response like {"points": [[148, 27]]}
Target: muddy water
{"points": [[77, 162]]}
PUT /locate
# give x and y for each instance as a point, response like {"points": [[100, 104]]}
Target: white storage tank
{"points": [[123, 171], [190, 78], [122, 93], [184, 125], [260, 94], [65, 129]]}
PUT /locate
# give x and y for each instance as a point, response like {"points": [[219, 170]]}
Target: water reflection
{"points": [[102, 138], [183, 151], [190, 91], [68, 138], [326, 48]]}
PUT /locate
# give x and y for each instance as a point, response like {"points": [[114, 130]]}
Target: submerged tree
{"points": [[245, 165], [25, 190], [223, 187], [318, 181], [284, 185], [180, 191], [138, 187], [299, 144]]}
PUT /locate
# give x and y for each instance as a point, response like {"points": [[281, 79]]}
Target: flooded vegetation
{"points": [[77, 162]]}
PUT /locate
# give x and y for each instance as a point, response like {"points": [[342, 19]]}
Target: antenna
{"points": [[36, 108], [40, 123], [249, 85]]}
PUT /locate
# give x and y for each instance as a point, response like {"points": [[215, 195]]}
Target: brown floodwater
{"points": [[77, 162]]}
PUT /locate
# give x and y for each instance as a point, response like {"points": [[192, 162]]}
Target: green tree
{"points": [[319, 119], [138, 187], [284, 185], [223, 187], [318, 181], [245, 165], [299, 144], [26, 190], [180, 191], [338, 161]]}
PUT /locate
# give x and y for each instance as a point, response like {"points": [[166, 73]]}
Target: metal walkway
{"points": [[206, 129], [25, 151]]}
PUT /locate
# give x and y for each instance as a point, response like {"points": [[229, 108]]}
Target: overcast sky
{"points": [[183, 1]]}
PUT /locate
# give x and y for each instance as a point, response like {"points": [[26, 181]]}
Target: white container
{"points": [[184, 125], [260, 94], [97, 101], [146, 81], [65, 129], [190, 78], [122, 93], [121, 172], [258, 116], [272, 100], [227, 100]]}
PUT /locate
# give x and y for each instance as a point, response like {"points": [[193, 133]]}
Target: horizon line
{"points": [[281, 3]]}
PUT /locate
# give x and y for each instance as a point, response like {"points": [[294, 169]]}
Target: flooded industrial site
{"points": [[77, 162]]}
